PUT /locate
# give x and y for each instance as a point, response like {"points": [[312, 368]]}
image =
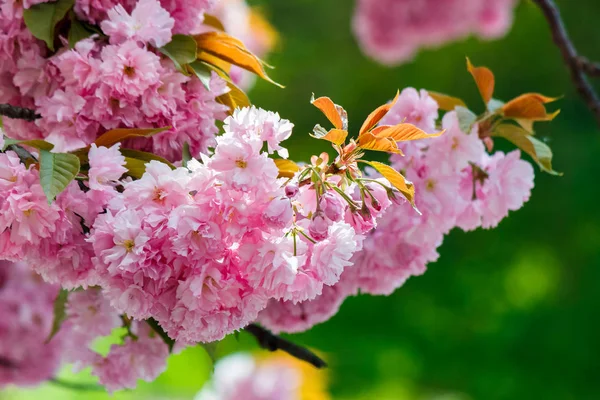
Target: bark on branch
{"points": [[579, 67], [18, 112], [271, 342]]}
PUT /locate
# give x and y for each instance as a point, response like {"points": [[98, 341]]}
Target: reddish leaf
{"points": [[376, 116], [368, 141], [402, 132], [529, 106], [336, 136], [484, 78], [334, 113], [113, 136], [231, 50]]}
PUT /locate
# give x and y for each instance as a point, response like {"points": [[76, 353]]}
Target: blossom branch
{"points": [[579, 66], [18, 112], [271, 342]]}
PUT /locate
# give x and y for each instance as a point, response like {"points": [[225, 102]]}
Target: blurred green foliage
{"points": [[510, 313]]}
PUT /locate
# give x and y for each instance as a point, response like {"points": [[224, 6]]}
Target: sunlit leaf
{"points": [[231, 50], [235, 98], [220, 65], [41, 19], [396, 179], [287, 168], [538, 150], [334, 113], [466, 118], [376, 116], [181, 50], [403, 132], [529, 106], [60, 314], [336, 136], [57, 170], [445, 102], [213, 22], [113, 136], [369, 141], [484, 78]]}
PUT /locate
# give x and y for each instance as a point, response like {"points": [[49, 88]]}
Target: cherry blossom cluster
{"points": [[115, 82], [458, 184], [201, 249], [393, 31], [140, 214]]}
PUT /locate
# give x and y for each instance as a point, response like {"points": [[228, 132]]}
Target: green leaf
{"points": [[41, 19], [145, 156], [59, 313], [181, 50], [538, 150], [161, 332], [78, 31], [135, 167], [186, 156], [466, 118], [211, 350], [202, 72], [57, 170], [107, 139]]}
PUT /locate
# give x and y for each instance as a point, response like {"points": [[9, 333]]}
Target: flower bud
{"points": [[332, 206], [319, 226], [291, 190]]}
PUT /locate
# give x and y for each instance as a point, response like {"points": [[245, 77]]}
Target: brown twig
{"points": [[579, 67], [18, 112], [271, 342]]}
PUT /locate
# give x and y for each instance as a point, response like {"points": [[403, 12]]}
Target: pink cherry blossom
{"points": [[148, 23]]}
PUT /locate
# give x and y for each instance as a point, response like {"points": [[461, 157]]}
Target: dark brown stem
{"points": [[578, 66], [591, 68], [18, 112], [271, 342]]}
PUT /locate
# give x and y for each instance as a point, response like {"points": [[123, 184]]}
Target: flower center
{"points": [[27, 213], [128, 244], [241, 163], [454, 143], [430, 185], [158, 195], [129, 71]]}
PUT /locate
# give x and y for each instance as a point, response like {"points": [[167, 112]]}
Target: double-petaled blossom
{"points": [[393, 31]]}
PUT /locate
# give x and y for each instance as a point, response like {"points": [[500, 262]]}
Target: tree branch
{"points": [[578, 66], [18, 112], [271, 342]]}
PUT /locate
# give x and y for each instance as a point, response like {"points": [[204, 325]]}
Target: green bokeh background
{"points": [[510, 313]]}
